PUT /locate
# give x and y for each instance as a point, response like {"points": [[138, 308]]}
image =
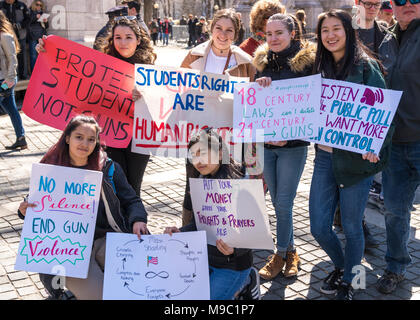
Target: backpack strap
{"points": [[111, 175], [109, 216]]}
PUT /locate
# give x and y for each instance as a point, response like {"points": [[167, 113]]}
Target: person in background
{"points": [[260, 12], [166, 30], [154, 30], [183, 21], [301, 16], [134, 10], [191, 30], [202, 32], [241, 34], [9, 48], [18, 14], [386, 14], [171, 23], [36, 29]]}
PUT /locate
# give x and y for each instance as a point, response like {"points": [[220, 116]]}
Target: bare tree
{"points": [[148, 10]]}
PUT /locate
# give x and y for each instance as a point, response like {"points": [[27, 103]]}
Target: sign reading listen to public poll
{"points": [[286, 110], [177, 103], [57, 234], [355, 117], [70, 79]]}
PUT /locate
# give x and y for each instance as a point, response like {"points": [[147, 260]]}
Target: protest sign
{"points": [[177, 103], [232, 210], [286, 110], [355, 117], [57, 234], [70, 79], [156, 267]]}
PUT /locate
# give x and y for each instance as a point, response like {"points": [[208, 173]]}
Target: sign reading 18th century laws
{"points": [[57, 234], [232, 210], [355, 117], [156, 267], [286, 110]]}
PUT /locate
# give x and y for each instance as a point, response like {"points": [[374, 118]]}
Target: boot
{"points": [[19, 144], [292, 264], [273, 267]]}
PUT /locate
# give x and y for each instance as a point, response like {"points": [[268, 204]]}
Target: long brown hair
{"points": [[59, 153], [6, 27], [144, 52], [228, 14]]}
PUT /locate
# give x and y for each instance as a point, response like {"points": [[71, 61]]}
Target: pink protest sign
{"points": [[70, 79]]}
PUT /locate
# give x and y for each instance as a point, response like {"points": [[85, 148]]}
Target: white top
{"points": [[216, 64]]}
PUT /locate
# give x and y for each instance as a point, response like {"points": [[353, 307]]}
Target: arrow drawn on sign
{"points": [[124, 260], [139, 241], [184, 243], [271, 134], [169, 295], [127, 285]]}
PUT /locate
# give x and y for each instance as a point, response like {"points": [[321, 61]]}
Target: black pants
{"points": [[154, 37], [133, 164]]}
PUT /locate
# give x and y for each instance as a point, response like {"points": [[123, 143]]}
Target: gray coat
{"points": [[8, 60]]}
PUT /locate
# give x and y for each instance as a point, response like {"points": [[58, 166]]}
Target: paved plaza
{"points": [[162, 194]]}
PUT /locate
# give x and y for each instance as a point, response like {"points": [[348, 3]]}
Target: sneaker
{"points": [[273, 267], [345, 291], [252, 289], [292, 264], [375, 189], [19, 144], [331, 283], [389, 282], [370, 241]]}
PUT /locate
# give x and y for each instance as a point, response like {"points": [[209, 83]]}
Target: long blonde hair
{"points": [[6, 27], [33, 7]]}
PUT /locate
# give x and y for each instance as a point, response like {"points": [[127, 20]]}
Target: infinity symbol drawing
{"points": [[151, 275]]}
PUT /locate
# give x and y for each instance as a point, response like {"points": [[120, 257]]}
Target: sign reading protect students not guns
{"points": [[70, 79], [57, 234]]}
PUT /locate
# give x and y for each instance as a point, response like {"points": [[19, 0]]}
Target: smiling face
{"points": [[333, 37], [406, 13], [205, 160], [277, 35], [82, 142], [125, 41], [223, 33]]}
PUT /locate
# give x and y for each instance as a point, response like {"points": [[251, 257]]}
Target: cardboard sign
{"points": [[286, 110], [232, 210], [70, 79], [156, 267], [177, 103], [355, 117], [57, 234]]}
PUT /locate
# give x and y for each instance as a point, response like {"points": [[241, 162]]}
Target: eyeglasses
{"points": [[38, 4], [401, 3], [369, 5]]}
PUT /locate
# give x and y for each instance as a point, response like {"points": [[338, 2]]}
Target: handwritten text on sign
{"points": [[176, 104], [286, 110], [157, 267], [231, 210], [60, 229], [71, 79], [355, 117]]}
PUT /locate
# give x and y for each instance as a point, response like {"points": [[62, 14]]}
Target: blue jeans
{"points": [[400, 181], [165, 38], [33, 55], [324, 197], [8, 104], [283, 168], [225, 283]]}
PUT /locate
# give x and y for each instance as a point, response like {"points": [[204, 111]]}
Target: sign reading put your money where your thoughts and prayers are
{"points": [[70, 79], [156, 267], [177, 103], [232, 210], [286, 110], [57, 234]]}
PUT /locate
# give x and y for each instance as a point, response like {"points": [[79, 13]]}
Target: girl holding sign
{"points": [[119, 210], [231, 272], [284, 56], [339, 175]]}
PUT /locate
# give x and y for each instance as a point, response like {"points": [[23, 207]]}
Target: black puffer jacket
{"points": [[293, 62]]}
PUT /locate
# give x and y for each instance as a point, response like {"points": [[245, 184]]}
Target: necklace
{"points": [[222, 52]]}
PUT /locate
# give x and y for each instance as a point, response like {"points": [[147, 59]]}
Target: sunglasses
{"points": [[401, 3]]}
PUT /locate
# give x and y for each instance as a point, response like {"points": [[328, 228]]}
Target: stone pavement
{"points": [[162, 195]]}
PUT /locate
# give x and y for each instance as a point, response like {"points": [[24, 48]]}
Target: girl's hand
{"points": [[371, 157], [25, 205], [264, 81], [140, 228], [277, 143], [224, 248], [40, 46], [170, 230], [136, 94]]}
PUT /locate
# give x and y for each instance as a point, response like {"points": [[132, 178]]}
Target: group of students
{"points": [[339, 176]]}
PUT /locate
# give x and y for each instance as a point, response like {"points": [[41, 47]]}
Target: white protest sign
{"points": [[178, 102], [156, 267], [59, 230], [232, 210], [286, 110], [355, 117]]}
